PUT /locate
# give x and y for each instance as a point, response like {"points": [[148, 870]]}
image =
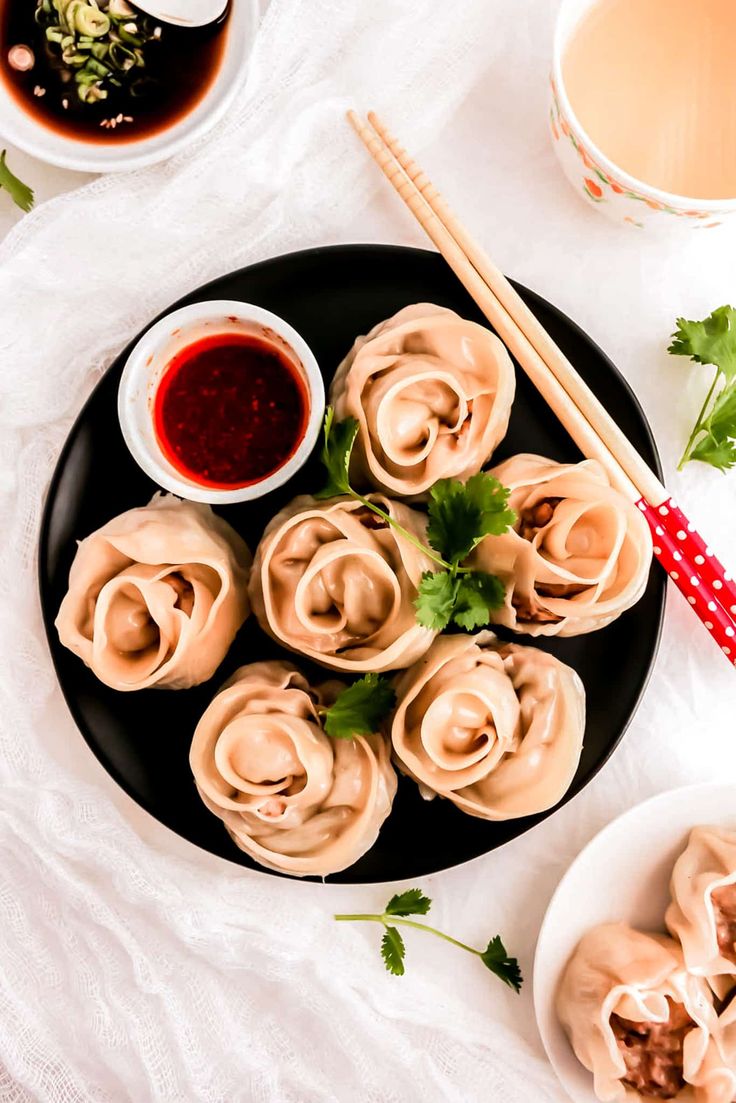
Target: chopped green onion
{"points": [[101, 43]]}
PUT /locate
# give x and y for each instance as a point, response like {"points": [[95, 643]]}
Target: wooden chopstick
{"points": [[548, 385], [592, 409], [690, 545], [677, 545]]}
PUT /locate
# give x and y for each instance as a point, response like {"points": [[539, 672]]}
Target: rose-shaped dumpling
{"points": [[156, 596], [333, 581], [578, 555], [431, 393], [291, 797], [496, 728], [703, 909], [643, 1025]]}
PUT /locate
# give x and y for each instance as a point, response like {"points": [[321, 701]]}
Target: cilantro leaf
{"points": [[411, 902], [506, 968], [461, 514], [435, 599], [477, 594], [712, 341], [360, 708], [491, 498], [718, 453], [339, 438], [19, 192], [722, 419], [718, 446], [393, 951], [454, 520]]}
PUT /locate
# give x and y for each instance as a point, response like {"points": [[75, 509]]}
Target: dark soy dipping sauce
{"points": [[180, 67], [230, 409]]}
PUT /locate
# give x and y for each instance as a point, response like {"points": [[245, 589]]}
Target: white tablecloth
{"points": [[133, 967]]}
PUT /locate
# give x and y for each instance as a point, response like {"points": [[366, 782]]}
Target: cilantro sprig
{"points": [[460, 516], [19, 192], [361, 708], [712, 341], [393, 948]]}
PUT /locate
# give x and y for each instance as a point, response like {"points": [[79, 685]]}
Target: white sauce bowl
{"points": [[152, 355]]}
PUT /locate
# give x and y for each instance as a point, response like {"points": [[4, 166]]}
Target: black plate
{"points": [[142, 739]]}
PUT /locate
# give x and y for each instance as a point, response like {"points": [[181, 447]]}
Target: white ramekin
{"points": [[155, 350], [616, 193], [29, 134]]}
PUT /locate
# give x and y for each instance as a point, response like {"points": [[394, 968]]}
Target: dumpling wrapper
{"points": [[432, 394], [334, 582], [496, 728], [616, 970], [726, 1031], [577, 557], [156, 596], [290, 797], [702, 914]]}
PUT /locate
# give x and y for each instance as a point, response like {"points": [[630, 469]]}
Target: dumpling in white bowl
{"points": [[291, 797], [495, 728], [578, 555], [431, 393], [156, 596], [702, 914], [643, 1025]]}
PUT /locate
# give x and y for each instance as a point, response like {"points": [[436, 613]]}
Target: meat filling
{"points": [[536, 517], [368, 519], [652, 1052], [529, 615], [724, 908], [532, 520]]}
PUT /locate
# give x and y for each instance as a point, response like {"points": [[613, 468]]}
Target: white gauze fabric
{"points": [[127, 973], [133, 967]]}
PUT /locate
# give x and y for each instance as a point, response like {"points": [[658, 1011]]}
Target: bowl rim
{"points": [[671, 199], [140, 366], [82, 155]]}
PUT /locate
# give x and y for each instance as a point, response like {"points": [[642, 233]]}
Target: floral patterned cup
{"points": [[620, 196]]}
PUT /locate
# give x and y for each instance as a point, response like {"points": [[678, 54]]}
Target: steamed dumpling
{"points": [[703, 909], [291, 797], [432, 395], [643, 1025], [496, 728], [156, 596], [334, 582], [578, 555]]}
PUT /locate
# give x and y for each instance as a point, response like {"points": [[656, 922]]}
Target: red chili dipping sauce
{"points": [[231, 408]]}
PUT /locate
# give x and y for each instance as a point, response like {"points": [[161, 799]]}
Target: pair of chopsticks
{"points": [[690, 563]]}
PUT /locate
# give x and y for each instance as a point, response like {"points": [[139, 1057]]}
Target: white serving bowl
{"points": [[154, 352], [596, 178], [29, 134], [622, 876]]}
